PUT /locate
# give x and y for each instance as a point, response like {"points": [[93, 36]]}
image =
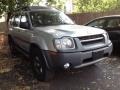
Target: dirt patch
{"points": [[16, 74]]}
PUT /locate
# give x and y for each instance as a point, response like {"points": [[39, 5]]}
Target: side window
{"points": [[113, 23], [24, 23], [98, 23], [16, 21]]}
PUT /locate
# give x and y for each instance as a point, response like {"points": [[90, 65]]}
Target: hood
{"points": [[70, 30]]}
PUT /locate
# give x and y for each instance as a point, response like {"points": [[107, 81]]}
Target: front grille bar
{"points": [[91, 40], [86, 40]]}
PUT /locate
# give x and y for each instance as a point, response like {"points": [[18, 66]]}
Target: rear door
{"points": [[25, 33]]}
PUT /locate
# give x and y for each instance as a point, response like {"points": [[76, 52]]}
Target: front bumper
{"points": [[76, 59]]}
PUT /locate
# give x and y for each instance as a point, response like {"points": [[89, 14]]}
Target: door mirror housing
{"points": [[25, 25]]}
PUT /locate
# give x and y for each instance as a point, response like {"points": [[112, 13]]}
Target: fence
{"points": [[3, 27], [3, 38], [82, 18]]}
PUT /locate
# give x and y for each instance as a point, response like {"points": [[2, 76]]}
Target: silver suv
{"points": [[53, 41]]}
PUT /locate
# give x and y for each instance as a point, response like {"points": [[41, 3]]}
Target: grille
{"points": [[86, 40]]}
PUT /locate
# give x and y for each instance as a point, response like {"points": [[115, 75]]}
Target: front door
{"points": [[25, 34]]}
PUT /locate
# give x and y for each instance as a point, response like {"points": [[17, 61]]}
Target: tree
{"points": [[95, 5], [59, 4], [10, 6], [117, 4], [87, 5]]}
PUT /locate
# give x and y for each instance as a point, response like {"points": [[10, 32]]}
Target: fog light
{"points": [[67, 65]]}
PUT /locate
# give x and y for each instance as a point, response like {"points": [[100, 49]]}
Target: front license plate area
{"points": [[97, 54]]}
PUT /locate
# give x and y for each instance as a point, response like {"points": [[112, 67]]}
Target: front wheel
{"points": [[41, 72]]}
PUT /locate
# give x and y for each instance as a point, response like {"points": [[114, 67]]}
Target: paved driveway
{"points": [[16, 74]]}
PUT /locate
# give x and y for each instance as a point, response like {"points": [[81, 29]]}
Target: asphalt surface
{"points": [[16, 74]]}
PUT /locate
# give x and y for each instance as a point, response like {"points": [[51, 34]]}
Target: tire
{"points": [[12, 47], [40, 70]]}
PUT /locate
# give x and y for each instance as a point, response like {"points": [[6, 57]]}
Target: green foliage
{"points": [[95, 5], [52, 2], [78, 5], [118, 4], [87, 5], [36, 2], [59, 4], [9, 6]]}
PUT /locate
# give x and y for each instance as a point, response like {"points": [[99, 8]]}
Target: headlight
{"points": [[64, 43], [107, 36]]}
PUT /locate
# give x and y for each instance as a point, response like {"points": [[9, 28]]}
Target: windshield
{"points": [[44, 18]]}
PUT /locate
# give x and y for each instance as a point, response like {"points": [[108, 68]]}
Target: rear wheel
{"points": [[41, 72]]}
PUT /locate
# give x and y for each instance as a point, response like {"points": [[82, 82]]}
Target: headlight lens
{"points": [[107, 36], [64, 43]]}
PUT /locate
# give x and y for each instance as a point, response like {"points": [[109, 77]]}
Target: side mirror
{"points": [[24, 25]]}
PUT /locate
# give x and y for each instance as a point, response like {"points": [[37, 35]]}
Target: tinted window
{"points": [[97, 23], [24, 23], [113, 23], [16, 21], [42, 18]]}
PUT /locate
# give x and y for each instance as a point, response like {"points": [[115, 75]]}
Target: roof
{"points": [[34, 8], [109, 16]]}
